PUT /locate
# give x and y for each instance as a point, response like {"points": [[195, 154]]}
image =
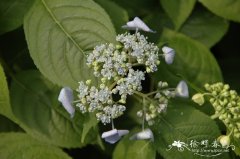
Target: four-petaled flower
{"points": [[168, 54], [137, 24], [143, 135], [66, 98], [182, 89]]}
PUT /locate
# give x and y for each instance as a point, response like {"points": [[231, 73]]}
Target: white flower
{"points": [[66, 98], [224, 140], [137, 24], [143, 135], [168, 54], [114, 135], [182, 89]]}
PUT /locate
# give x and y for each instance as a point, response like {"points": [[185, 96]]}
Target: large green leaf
{"points": [[59, 33], [138, 7], [118, 15], [183, 123], [22, 146], [34, 103], [12, 13], [7, 125], [178, 10], [128, 149], [5, 108], [236, 143], [205, 27], [193, 61], [157, 21], [228, 9]]}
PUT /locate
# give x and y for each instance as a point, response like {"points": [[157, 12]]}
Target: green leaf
{"points": [[193, 61], [178, 10], [23, 146], [205, 27], [183, 123], [228, 9], [118, 15], [59, 33], [5, 108], [12, 13], [157, 22], [7, 125], [138, 7], [35, 104], [129, 149], [236, 143]]}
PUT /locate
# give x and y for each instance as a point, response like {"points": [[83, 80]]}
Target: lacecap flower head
{"points": [[121, 68]]}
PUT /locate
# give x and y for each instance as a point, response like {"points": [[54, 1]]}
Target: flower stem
{"points": [[112, 124], [151, 93], [142, 95], [112, 85], [144, 113], [214, 116]]}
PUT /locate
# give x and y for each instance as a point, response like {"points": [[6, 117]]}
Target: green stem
{"points": [[144, 113], [112, 85], [214, 116], [142, 95], [151, 93], [230, 133], [112, 124], [209, 94], [137, 64]]}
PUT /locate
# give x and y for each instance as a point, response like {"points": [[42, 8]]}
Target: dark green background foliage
{"points": [[43, 45]]}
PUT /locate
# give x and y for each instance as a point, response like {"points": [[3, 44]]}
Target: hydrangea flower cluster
{"points": [[115, 64], [226, 103], [122, 68]]}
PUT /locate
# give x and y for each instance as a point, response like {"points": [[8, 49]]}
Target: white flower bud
{"points": [[198, 98], [224, 140]]}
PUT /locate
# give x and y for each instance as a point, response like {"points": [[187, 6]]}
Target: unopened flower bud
{"points": [[118, 46], [103, 80], [140, 113], [198, 98], [123, 101], [102, 86], [88, 82], [148, 70]]}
